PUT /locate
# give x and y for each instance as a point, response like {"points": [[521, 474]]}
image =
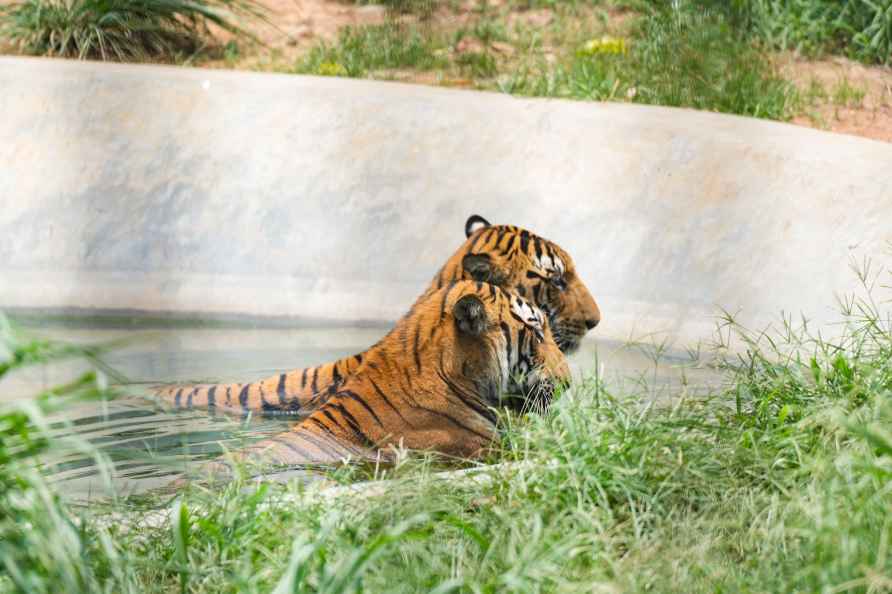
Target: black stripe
{"points": [[389, 403], [178, 397], [229, 395], [357, 398], [314, 387], [189, 398], [335, 380], [501, 234], [331, 418], [303, 379], [265, 406], [548, 252], [476, 241], [354, 425], [468, 401], [537, 244], [512, 238], [212, 397], [322, 426], [243, 396], [358, 359], [524, 240], [445, 298], [415, 345], [280, 390]]}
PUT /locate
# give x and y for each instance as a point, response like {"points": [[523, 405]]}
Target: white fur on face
{"points": [[530, 315], [552, 265]]}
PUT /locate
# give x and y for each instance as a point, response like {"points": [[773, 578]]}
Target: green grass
{"points": [[361, 50], [681, 58], [677, 59], [861, 29], [847, 95], [126, 30], [779, 481]]}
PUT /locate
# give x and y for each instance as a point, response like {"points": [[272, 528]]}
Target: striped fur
{"points": [[470, 342], [506, 256]]}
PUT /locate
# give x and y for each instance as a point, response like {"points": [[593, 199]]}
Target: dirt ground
{"points": [[846, 111], [853, 98]]}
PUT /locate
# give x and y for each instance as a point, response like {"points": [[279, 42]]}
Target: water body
{"points": [[152, 446]]}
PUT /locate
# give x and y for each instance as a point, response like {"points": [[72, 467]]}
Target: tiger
{"points": [[503, 255], [435, 383]]}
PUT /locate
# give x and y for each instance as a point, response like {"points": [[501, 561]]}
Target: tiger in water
{"points": [[506, 256], [432, 383]]}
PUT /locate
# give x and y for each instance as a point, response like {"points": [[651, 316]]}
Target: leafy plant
{"points": [[121, 29]]}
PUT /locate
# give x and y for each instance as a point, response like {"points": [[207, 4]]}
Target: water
{"points": [[151, 446]]}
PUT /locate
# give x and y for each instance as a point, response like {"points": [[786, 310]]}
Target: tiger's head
{"points": [[500, 346], [532, 267]]}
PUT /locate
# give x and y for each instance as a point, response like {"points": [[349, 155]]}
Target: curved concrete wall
{"points": [[183, 190]]}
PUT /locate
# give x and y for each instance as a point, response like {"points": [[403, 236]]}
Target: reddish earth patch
{"points": [[871, 117]]}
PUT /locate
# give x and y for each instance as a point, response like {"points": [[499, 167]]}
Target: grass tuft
{"points": [[124, 30], [361, 50]]}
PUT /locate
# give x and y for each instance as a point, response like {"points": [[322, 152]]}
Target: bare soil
{"points": [[870, 116]]}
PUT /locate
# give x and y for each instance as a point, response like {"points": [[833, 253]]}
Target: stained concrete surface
{"points": [[215, 193]]}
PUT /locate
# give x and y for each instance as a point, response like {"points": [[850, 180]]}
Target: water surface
{"points": [[152, 446]]}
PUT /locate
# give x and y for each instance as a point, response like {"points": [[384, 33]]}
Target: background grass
{"points": [[359, 50], [125, 30], [779, 481]]}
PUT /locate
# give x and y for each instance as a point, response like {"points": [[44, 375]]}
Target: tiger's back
{"points": [[475, 342], [503, 255]]}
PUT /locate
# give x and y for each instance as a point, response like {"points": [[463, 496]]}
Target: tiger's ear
{"points": [[480, 267], [474, 223], [470, 315]]}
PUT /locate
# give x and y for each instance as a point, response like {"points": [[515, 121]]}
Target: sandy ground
{"points": [[870, 117]]}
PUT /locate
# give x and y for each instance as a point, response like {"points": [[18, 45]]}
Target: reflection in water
{"points": [[151, 446]]}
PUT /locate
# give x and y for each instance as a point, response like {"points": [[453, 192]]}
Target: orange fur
{"points": [[470, 342], [503, 255]]}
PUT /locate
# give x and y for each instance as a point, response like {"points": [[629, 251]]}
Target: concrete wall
{"points": [[184, 190]]}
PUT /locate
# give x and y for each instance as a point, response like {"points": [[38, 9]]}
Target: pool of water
{"points": [[152, 446]]}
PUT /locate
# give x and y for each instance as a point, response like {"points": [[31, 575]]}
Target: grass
{"points": [[680, 60], [861, 29], [845, 94], [677, 58], [361, 50], [125, 30], [779, 481]]}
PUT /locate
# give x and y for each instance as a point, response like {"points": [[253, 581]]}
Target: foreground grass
{"points": [[780, 481]]}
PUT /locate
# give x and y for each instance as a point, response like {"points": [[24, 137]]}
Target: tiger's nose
{"points": [[591, 323]]}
